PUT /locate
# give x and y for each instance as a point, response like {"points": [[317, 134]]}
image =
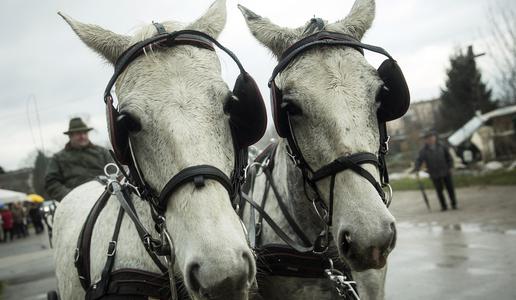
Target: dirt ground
{"points": [[486, 208]]}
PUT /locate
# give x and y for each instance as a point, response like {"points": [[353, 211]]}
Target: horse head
{"points": [[174, 98], [334, 90]]}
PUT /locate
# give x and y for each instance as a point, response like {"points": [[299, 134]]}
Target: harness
{"points": [[127, 282], [305, 260], [311, 256], [246, 105]]}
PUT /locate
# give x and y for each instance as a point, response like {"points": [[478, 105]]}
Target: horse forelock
{"points": [[314, 25], [146, 31]]}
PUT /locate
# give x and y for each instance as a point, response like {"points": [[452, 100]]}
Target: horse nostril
{"points": [[345, 241], [392, 244], [192, 276]]}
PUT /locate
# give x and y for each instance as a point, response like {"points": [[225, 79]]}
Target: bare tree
{"points": [[502, 18]]}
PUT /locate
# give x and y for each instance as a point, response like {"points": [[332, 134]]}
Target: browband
{"points": [[322, 38], [167, 39]]}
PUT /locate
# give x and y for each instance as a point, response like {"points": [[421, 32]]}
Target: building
{"points": [[405, 132], [19, 180]]}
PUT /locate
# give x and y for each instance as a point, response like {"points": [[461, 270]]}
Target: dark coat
{"points": [[72, 167], [437, 159]]}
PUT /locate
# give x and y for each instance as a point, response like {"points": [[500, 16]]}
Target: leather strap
{"points": [[282, 260], [195, 174], [350, 162], [82, 252], [285, 210], [322, 38], [98, 290], [295, 245], [137, 285], [151, 253]]}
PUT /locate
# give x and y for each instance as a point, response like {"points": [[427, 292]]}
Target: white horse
{"points": [[177, 95], [336, 88]]}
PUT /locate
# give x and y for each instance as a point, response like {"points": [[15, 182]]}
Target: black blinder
{"points": [[394, 97], [247, 113]]}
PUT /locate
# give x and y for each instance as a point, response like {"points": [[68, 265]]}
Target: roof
{"points": [[8, 196], [466, 131]]}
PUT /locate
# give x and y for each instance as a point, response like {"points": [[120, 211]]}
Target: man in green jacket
{"points": [[79, 162]]}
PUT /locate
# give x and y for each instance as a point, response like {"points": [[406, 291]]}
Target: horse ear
{"points": [[358, 21], [213, 20], [107, 43], [272, 36]]}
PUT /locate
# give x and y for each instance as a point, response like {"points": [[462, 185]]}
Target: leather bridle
{"points": [[122, 184], [196, 174], [311, 177]]}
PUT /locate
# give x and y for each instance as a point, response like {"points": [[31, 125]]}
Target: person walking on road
{"points": [[7, 225], [79, 162], [439, 163], [35, 216], [18, 220]]}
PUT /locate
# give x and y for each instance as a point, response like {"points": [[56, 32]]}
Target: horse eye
{"points": [[381, 93], [229, 103], [289, 105], [129, 122]]}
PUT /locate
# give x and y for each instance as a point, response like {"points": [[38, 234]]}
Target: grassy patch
{"points": [[500, 177]]}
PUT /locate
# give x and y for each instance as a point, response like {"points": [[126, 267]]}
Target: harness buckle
{"points": [[111, 248], [134, 189], [384, 149], [291, 155]]}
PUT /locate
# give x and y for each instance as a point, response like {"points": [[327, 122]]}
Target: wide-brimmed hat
{"points": [[77, 125], [429, 132]]}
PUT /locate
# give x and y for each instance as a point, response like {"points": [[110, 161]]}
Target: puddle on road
{"points": [[463, 227]]}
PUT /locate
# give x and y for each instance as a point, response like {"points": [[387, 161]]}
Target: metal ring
{"points": [[106, 169], [244, 228], [388, 200], [171, 244], [110, 188], [260, 165]]}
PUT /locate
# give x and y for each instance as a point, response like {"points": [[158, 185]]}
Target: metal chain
{"points": [[344, 287], [170, 260]]}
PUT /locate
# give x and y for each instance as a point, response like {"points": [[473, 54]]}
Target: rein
{"points": [[306, 259]]}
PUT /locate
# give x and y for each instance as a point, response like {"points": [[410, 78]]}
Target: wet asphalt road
{"points": [[27, 268], [465, 254], [469, 253], [452, 262]]}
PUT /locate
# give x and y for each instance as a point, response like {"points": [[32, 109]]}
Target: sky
{"points": [[48, 75]]}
